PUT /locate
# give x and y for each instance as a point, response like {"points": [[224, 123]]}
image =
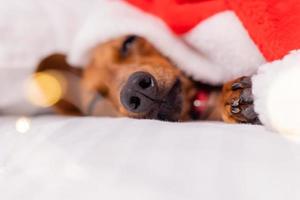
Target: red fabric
{"points": [[274, 25], [181, 15]]}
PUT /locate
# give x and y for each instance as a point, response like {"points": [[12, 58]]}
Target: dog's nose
{"points": [[139, 93]]}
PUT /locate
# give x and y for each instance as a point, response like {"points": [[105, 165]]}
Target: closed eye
{"points": [[126, 45]]}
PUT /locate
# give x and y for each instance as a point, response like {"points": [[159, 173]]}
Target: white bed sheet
{"points": [[101, 158]]}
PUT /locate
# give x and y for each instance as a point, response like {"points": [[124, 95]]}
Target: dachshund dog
{"points": [[138, 81]]}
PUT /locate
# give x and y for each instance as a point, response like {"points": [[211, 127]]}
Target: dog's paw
{"points": [[238, 102]]}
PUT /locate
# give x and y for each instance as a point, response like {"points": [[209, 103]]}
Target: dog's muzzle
{"points": [[141, 95]]}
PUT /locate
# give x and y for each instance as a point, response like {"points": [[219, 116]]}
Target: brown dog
{"points": [[139, 82]]}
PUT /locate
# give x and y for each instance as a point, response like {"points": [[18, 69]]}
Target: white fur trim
{"points": [[115, 18], [223, 39], [277, 95]]}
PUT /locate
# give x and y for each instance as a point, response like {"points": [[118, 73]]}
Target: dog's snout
{"points": [[139, 93]]}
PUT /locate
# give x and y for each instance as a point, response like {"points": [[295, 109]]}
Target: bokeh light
{"points": [[44, 89], [23, 125]]}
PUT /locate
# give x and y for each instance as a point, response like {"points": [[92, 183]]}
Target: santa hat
{"points": [[212, 41], [196, 50]]}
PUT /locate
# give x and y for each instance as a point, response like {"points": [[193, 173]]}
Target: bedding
{"points": [[102, 158]]}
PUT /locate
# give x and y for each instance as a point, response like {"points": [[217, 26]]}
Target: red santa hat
{"points": [[213, 41]]}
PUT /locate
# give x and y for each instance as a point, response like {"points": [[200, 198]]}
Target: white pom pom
{"points": [[276, 90]]}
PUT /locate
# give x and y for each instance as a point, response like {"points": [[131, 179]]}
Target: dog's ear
{"points": [[58, 62]]}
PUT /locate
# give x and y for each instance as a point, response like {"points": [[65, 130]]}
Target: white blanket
{"points": [[100, 158]]}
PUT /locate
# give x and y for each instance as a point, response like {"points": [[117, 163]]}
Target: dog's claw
{"points": [[235, 102], [235, 110], [236, 86], [244, 82]]}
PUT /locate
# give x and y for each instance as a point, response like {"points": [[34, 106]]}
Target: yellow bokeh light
{"points": [[44, 89], [23, 125]]}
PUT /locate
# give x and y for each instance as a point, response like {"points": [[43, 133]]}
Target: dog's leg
{"points": [[237, 102]]}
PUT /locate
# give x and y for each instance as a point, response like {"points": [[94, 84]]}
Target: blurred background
{"points": [[29, 31]]}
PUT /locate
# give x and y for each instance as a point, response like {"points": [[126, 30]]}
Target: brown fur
{"points": [[108, 71]]}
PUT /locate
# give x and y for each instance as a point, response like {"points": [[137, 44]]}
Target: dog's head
{"points": [[135, 77], [139, 80]]}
